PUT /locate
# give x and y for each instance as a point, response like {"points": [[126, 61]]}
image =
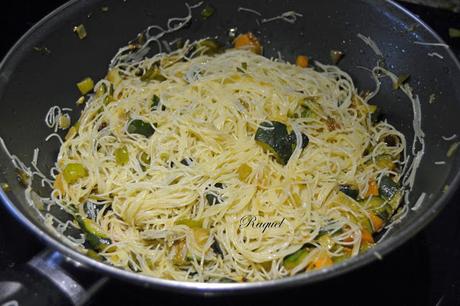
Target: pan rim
{"points": [[359, 261]]}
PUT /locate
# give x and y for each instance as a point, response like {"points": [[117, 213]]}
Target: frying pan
{"points": [[32, 81]]}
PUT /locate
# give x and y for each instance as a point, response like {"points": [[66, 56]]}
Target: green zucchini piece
{"points": [[91, 210], [153, 74], [211, 46], [140, 127], [349, 191], [274, 137], [293, 260], [213, 197], [387, 188], [97, 240], [156, 103], [215, 246]]}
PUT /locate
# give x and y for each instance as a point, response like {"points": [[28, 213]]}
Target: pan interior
{"points": [[31, 82]]}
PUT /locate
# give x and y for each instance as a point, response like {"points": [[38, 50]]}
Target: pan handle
{"points": [[49, 279]]}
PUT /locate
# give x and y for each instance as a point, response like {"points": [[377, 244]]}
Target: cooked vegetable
{"points": [[385, 162], [180, 252], [201, 236], [73, 172], [212, 197], [215, 246], [81, 100], [6, 187], [85, 85], [249, 42], [153, 73], [322, 261], [210, 46], [293, 260], [302, 61], [336, 56], [207, 11], [454, 33], [80, 31], [349, 191], [190, 223], [366, 236], [64, 122], [94, 255], [372, 189], [140, 127], [388, 188], [377, 222], [42, 50], [273, 136], [95, 238], [244, 171], [121, 155], [403, 78], [186, 161], [156, 103], [91, 210]]}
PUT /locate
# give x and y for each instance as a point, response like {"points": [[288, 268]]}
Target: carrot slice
{"points": [[248, 41], [366, 236], [373, 189], [302, 61], [377, 222]]}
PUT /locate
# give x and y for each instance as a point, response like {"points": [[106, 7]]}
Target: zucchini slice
{"points": [[97, 240], [274, 137]]}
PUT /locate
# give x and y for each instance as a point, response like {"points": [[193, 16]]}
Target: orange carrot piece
{"points": [[373, 189], [248, 41], [366, 236], [324, 260], [302, 61], [377, 222]]}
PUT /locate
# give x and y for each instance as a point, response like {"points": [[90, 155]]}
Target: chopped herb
{"points": [[207, 12], [454, 33], [403, 78], [42, 50], [336, 56], [80, 31]]}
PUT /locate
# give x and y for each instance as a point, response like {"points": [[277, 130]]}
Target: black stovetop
{"points": [[424, 271]]}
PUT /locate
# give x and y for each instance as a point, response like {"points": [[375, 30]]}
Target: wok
{"points": [[32, 80]]}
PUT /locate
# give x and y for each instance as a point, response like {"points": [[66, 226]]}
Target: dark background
{"points": [[425, 271]]}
